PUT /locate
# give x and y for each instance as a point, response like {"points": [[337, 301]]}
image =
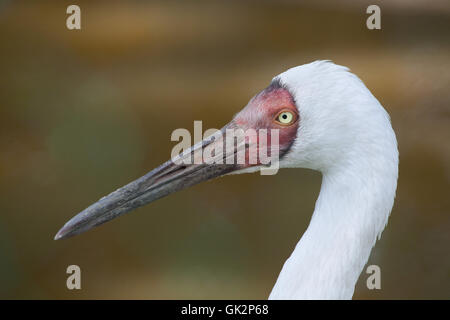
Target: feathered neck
{"points": [[353, 207]]}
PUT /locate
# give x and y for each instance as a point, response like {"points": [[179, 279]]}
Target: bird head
{"points": [[310, 110]]}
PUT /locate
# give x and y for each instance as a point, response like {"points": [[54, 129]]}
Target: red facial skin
{"points": [[261, 113]]}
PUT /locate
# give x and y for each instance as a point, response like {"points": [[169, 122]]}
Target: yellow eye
{"points": [[285, 117]]}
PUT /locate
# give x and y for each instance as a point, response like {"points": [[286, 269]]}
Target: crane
{"points": [[327, 120]]}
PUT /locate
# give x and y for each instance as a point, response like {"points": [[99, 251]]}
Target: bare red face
{"points": [[272, 108]]}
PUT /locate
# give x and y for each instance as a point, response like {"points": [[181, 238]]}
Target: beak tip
{"points": [[58, 236], [62, 234]]}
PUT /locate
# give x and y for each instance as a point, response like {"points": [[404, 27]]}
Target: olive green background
{"points": [[85, 112]]}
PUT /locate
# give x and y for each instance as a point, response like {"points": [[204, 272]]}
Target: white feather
{"points": [[346, 134]]}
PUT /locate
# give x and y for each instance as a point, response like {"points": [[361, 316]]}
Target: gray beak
{"points": [[160, 182]]}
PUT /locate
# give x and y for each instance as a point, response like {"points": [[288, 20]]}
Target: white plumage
{"points": [[337, 128], [345, 134]]}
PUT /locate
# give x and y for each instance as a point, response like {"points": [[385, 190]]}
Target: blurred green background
{"points": [[85, 112]]}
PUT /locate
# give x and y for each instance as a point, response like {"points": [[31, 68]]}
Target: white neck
{"points": [[352, 210]]}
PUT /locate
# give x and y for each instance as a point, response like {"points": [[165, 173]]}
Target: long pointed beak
{"points": [[168, 178]]}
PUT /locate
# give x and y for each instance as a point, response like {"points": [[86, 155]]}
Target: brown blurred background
{"points": [[84, 112]]}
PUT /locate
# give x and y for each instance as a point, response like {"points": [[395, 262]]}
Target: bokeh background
{"points": [[85, 112]]}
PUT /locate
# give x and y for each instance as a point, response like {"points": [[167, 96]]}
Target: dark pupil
{"points": [[284, 116]]}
